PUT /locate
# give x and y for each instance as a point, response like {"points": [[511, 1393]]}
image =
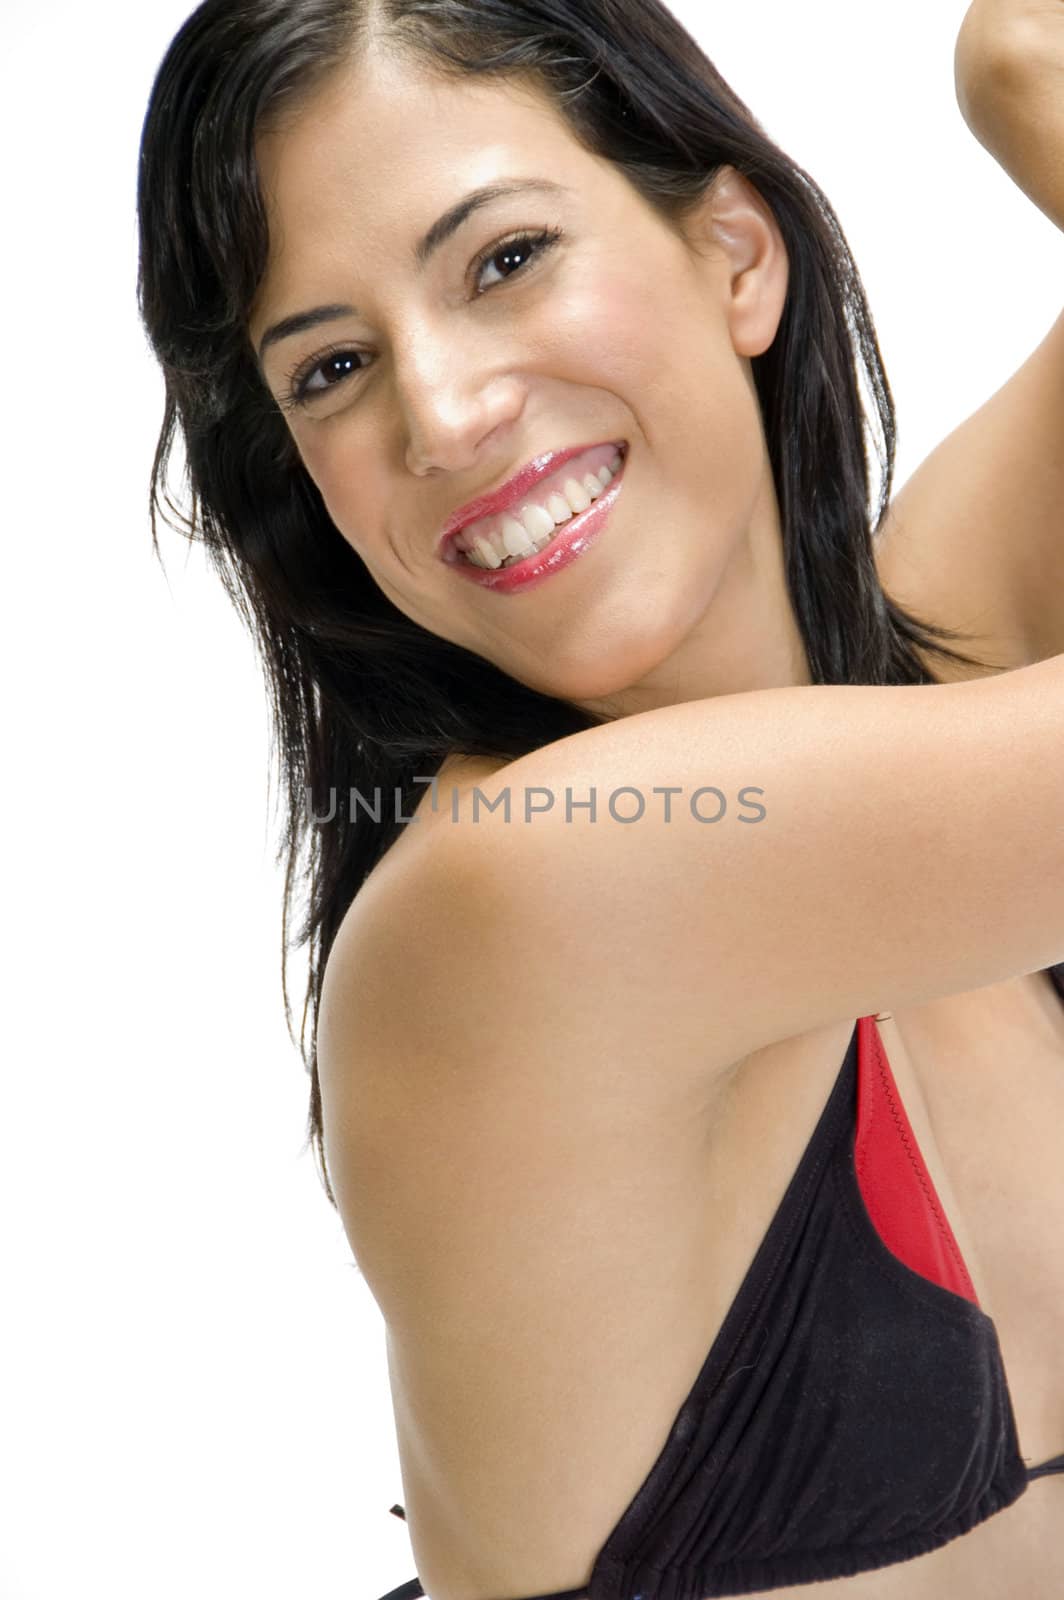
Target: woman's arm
{"points": [[1009, 73], [911, 845], [983, 515]]}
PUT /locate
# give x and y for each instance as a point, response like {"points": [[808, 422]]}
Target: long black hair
{"points": [[361, 696]]}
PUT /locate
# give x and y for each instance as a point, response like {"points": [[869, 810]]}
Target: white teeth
{"points": [[487, 554], [516, 539], [576, 494], [559, 507], [537, 521]]}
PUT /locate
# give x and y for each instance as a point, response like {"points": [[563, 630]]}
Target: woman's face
{"points": [[431, 383]]}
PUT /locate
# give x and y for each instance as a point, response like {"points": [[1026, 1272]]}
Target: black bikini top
{"points": [[853, 1411]]}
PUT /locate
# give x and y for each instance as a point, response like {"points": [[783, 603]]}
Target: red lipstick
{"points": [[515, 489], [570, 542]]}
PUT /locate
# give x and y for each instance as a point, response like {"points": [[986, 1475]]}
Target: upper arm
{"points": [[909, 846], [978, 529]]}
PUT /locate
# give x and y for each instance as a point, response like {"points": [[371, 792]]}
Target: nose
{"points": [[452, 414]]}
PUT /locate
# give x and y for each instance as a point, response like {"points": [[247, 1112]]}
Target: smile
{"points": [[569, 540], [507, 537]]}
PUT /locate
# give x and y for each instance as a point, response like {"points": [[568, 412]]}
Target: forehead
{"points": [[383, 145]]}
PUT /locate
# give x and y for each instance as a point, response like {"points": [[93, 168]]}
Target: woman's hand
{"points": [[1009, 75]]}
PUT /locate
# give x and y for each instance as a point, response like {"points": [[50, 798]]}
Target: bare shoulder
{"points": [[455, 1073], [413, 900]]}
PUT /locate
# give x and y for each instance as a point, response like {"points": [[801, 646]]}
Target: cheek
{"points": [[669, 357], [664, 352], [602, 330], [341, 481]]}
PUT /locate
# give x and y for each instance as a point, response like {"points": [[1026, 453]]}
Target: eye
{"points": [[511, 249], [339, 361], [298, 387]]}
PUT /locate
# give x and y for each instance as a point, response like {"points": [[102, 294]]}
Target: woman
{"points": [[519, 375]]}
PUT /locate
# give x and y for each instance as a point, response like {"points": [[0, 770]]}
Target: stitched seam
{"points": [[905, 1279], [993, 1495], [943, 1226]]}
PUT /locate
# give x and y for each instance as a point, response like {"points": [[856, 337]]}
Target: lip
{"points": [[570, 542], [513, 490]]}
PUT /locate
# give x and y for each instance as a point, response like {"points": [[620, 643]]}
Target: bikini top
{"points": [[853, 1410]]}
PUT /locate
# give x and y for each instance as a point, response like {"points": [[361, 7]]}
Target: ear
{"points": [[749, 259]]}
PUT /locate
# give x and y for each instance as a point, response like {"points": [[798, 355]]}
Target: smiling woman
{"points": [[520, 379]]}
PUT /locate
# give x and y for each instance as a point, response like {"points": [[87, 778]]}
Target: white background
{"points": [[193, 1389]]}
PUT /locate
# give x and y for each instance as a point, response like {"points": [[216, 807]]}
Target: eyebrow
{"points": [[442, 230]]}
